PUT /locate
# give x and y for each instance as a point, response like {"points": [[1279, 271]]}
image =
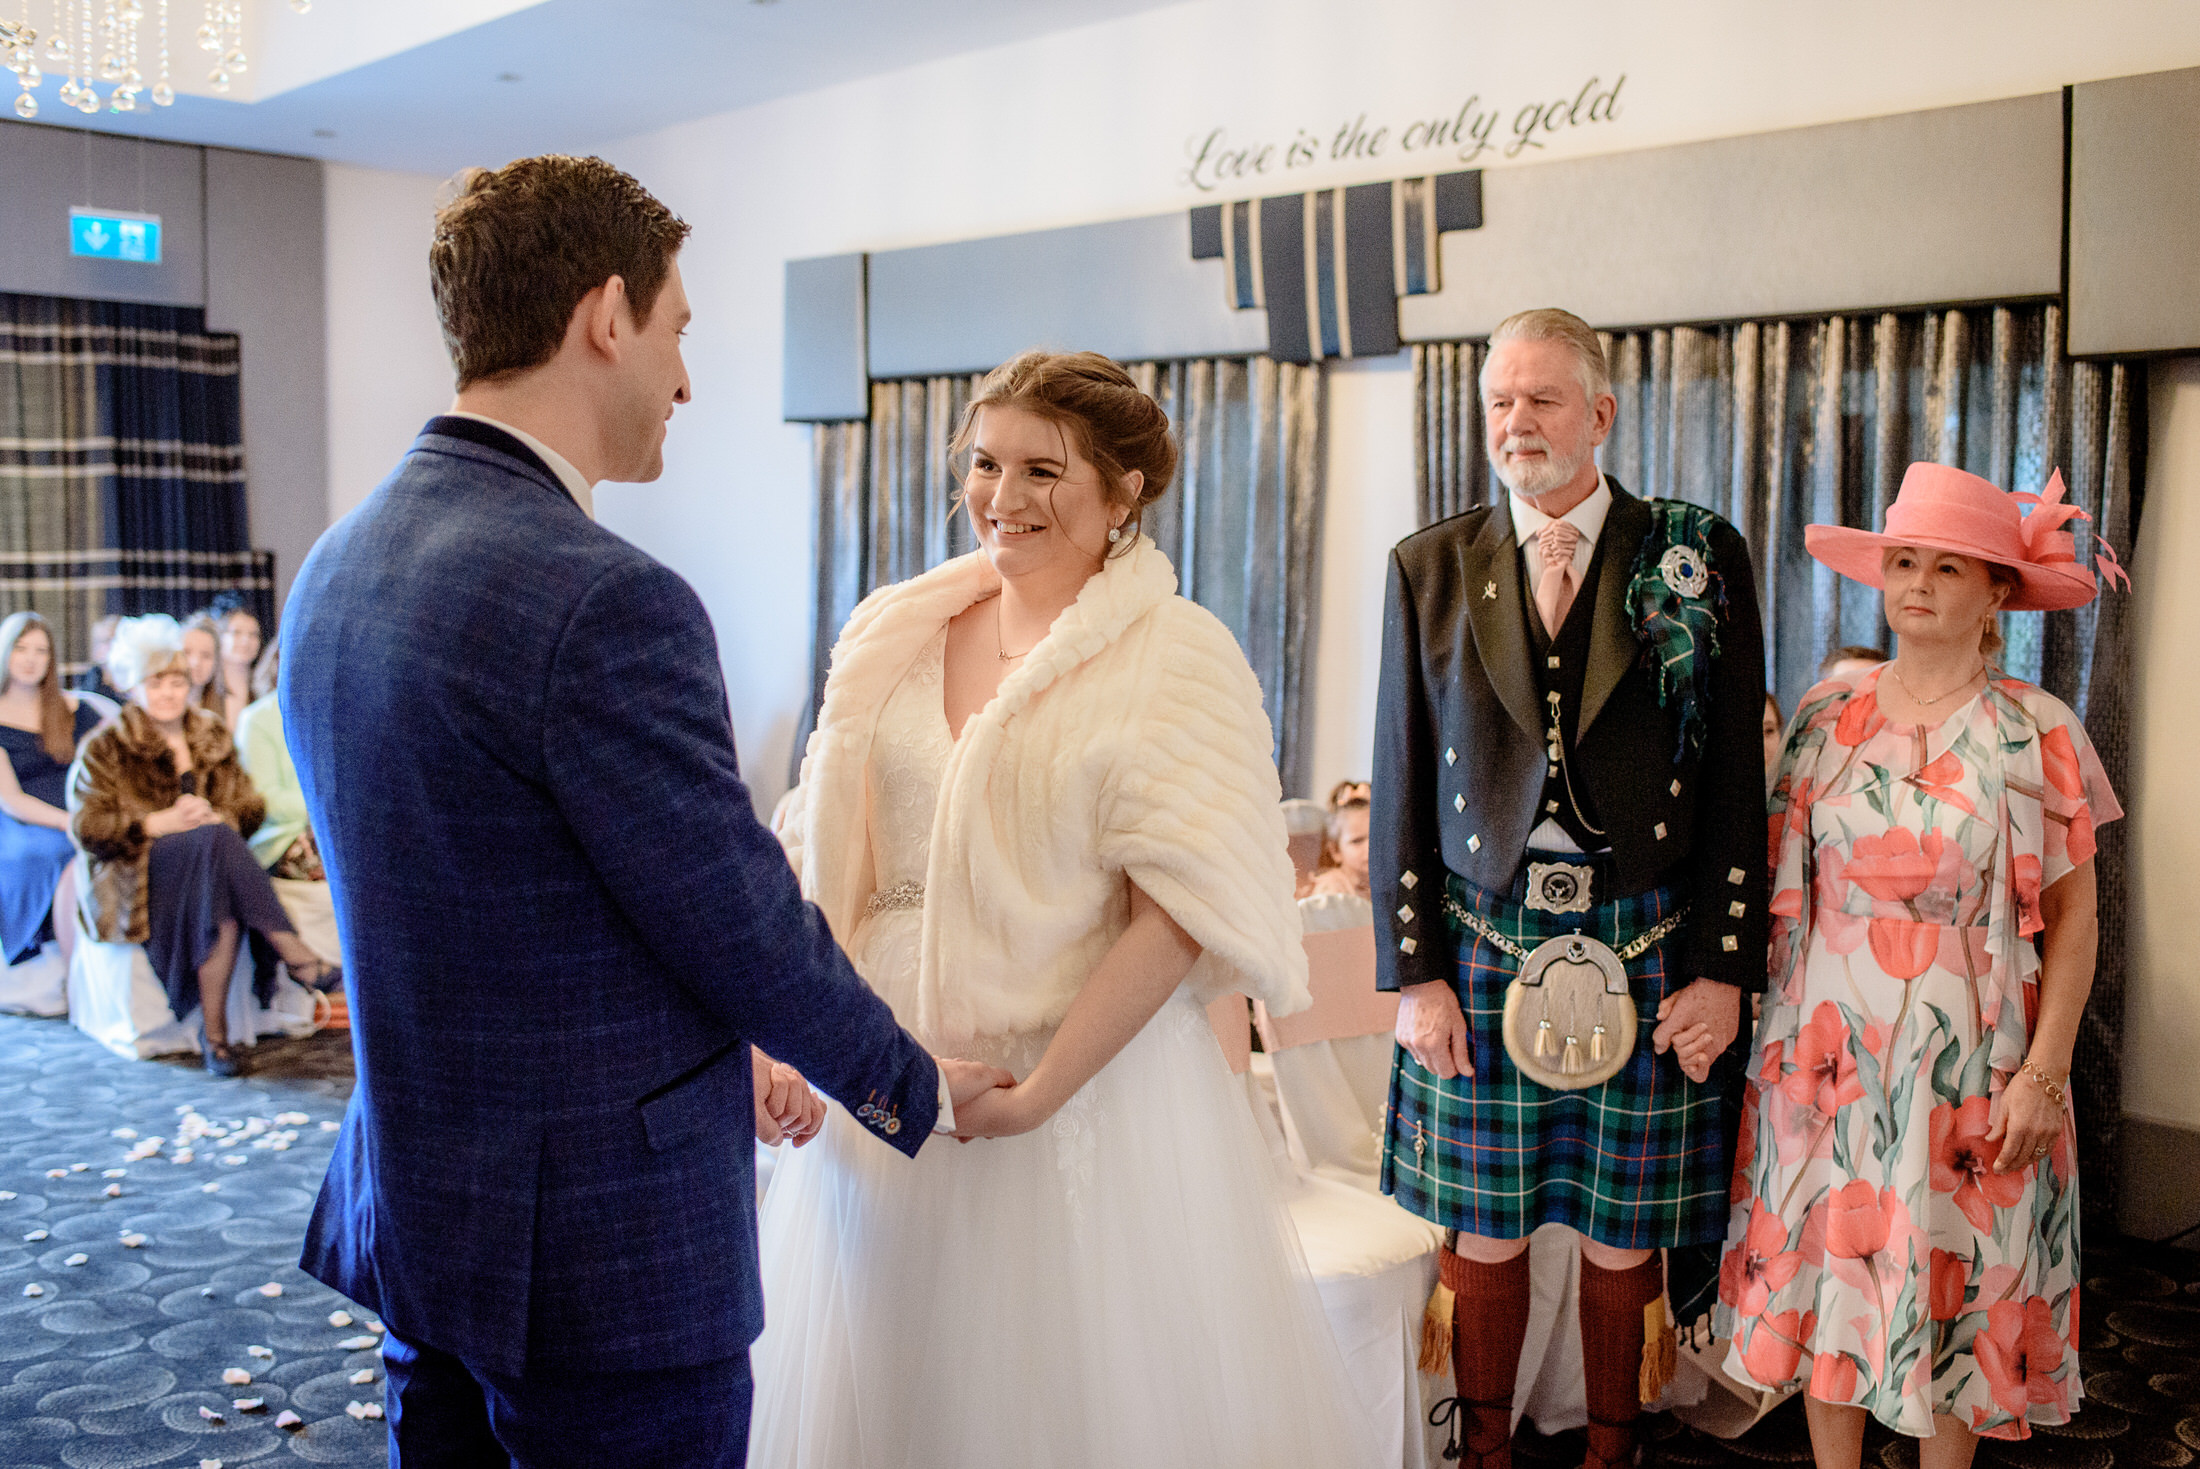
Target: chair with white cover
{"points": [[1332, 1059], [1373, 1263], [37, 984], [115, 998]]}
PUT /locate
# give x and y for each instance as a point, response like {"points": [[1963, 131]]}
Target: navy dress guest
{"points": [[39, 727], [565, 932], [162, 809]]}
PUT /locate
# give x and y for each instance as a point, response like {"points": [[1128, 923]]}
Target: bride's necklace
{"points": [[1000, 646], [1929, 703]]}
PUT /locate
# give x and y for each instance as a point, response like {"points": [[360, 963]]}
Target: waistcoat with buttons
{"points": [[1559, 667]]}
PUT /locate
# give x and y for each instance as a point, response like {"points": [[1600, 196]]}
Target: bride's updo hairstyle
{"points": [[1114, 424]]}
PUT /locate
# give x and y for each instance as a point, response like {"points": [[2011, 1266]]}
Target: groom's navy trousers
{"points": [[563, 928], [443, 1415]]}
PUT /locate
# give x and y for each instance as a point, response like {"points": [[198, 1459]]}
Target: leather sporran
{"points": [[1569, 1016]]}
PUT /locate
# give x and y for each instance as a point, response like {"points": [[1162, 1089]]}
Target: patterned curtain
{"points": [[121, 465], [1778, 424], [1240, 524]]}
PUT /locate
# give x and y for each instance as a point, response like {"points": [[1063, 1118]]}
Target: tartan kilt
{"points": [[1640, 1161]]}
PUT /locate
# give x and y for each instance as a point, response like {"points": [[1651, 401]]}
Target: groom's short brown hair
{"points": [[516, 248]]}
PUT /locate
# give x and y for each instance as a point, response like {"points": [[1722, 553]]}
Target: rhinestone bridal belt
{"points": [[894, 899]]}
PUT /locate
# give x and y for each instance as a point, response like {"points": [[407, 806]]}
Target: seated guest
{"points": [[1848, 665], [1305, 824], [160, 806], [284, 843], [93, 680], [1344, 845], [40, 727], [1775, 726], [202, 657], [240, 641]]}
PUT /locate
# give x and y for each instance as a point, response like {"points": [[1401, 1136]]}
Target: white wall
{"points": [[2162, 1004], [387, 370], [1102, 123], [1369, 462]]}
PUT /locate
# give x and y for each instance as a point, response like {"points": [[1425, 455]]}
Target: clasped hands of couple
{"points": [[986, 1098]]}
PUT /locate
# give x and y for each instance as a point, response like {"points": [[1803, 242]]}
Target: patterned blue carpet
{"points": [[132, 1280], [125, 1296]]}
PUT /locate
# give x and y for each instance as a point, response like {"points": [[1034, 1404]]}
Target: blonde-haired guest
{"points": [[39, 728], [161, 808], [202, 658]]}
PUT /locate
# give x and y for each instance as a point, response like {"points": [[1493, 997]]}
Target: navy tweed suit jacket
{"points": [[563, 927]]}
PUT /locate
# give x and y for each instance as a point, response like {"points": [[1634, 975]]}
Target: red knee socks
{"points": [[1612, 1306], [1489, 1322]]}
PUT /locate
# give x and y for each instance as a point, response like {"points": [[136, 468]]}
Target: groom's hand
{"points": [[786, 1109], [969, 1080]]}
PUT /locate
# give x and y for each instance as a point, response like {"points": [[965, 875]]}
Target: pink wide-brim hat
{"points": [[1944, 509]]}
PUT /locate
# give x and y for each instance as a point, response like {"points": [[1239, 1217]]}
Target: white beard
{"points": [[1533, 481]]}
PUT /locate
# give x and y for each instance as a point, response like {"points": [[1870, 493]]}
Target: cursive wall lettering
{"points": [[1217, 159]]}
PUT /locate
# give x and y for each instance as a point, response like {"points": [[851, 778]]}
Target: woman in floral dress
{"points": [[1905, 1227]]}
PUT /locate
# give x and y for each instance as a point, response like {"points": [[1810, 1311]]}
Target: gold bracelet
{"points": [[2047, 1084]]}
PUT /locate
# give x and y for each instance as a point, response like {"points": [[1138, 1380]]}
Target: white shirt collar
{"points": [[576, 484], [1587, 517]]}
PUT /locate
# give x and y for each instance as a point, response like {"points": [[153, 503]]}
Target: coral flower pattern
{"points": [[1874, 1253]]}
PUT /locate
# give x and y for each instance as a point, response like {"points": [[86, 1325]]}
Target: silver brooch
{"points": [[1684, 571], [1489, 591]]}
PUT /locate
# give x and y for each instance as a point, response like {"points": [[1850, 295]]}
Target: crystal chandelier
{"points": [[97, 41]]}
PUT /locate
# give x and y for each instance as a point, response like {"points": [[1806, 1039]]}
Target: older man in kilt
{"points": [[1569, 781]]}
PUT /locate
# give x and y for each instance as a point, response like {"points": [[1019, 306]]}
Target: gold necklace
{"points": [[1000, 646], [1929, 703]]}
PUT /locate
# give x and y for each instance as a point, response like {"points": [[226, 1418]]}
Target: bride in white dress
{"points": [[1040, 812]]}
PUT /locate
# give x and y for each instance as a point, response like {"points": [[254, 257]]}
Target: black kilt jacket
{"points": [[1458, 676]]}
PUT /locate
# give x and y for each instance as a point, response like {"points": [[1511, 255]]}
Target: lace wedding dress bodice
{"points": [[908, 758]]}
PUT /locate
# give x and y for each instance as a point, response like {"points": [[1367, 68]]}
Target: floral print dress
{"points": [[1873, 1253]]}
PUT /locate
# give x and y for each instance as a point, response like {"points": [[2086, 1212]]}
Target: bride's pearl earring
{"points": [[1115, 533]]}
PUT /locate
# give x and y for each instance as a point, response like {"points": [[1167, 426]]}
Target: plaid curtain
{"points": [[1240, 524], [121, 465], [1778, 424]]}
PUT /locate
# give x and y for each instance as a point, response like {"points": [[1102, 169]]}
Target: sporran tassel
{"points": [[1570, 1064], [1436, 1325], [1596, 1045], [1545, 1043], [1660, 1355]]}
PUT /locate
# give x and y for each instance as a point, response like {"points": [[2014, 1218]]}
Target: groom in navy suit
{"points": [[564, 928]]}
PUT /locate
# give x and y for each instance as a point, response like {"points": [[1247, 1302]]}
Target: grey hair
{"points": [[144, 646], [1550, 324]]}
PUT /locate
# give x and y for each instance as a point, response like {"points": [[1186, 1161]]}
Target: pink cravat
{"points": [[1554, 594]]}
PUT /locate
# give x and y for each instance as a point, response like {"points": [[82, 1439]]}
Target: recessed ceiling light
{"points": [[509, 76]]}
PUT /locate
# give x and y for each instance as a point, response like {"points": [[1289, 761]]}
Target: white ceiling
{"points": [[433, 85]]}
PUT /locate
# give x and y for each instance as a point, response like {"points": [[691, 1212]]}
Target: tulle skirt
{"points": [[1120, 1287]]}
